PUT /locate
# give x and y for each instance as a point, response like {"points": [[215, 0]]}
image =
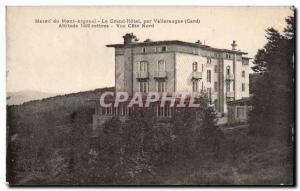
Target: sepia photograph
{"points": [[150, 95]]}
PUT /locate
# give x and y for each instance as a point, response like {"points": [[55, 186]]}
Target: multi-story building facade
{"points": [[176, 66]]}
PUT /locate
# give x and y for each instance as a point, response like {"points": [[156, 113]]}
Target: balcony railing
{"points": [[160, 74], [197, 75], [230, 94], [229, 77], [142, 75]]}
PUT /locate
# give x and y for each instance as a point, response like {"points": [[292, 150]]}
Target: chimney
{"points": [[129, 38], [233, 45]]}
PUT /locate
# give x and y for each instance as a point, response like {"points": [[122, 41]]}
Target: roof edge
{"points": [[153, 43]]}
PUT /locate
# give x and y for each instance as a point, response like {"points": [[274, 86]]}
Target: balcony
{"points": [[160, 75], [230, 94], [142, 75], [230, 77], [197, 75]]}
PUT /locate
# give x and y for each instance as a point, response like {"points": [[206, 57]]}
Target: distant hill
{"points": [[48, 102], [59, 107], [49, 119], [17, 98]]}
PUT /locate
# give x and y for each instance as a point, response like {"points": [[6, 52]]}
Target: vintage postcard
{"points": [[129, 95]]}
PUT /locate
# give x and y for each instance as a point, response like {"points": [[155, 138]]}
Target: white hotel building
{"points": [[176, 66]]}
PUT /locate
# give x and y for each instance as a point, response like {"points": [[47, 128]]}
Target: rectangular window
{"points": [[143, 66], [216, 68], [164, 49], [228, 56], [161, 86], [167, 112], [208, 76], [195, 85], [161, 66], [144, 50], [159, 111], [209, 94], [195, 66], [216, 86], [141, 86], [144, 87], [164, 111], [227, 87], [243, 73], [227, 70], [208, 60], [243, 87]]}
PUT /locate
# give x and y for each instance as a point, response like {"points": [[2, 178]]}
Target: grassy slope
{"points": [[35, 120], [243, 159]]}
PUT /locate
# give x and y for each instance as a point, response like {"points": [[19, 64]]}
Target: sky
{"points": [[43, 57]]}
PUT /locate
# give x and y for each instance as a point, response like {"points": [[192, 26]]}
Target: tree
{"points": [[183, 131], [210, 135], [273, 100]]}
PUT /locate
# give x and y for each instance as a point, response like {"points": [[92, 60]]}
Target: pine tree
{"points": [[273, 100]]}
